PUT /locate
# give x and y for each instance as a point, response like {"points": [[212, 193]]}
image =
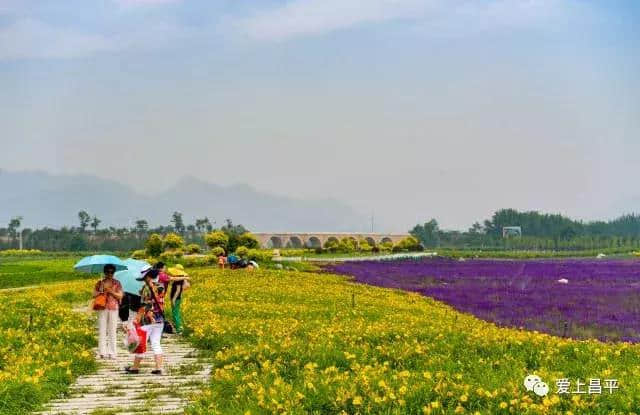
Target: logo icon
{"points": [[534, 383]]}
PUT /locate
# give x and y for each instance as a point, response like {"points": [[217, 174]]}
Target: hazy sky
{"points": [[411, 109]]}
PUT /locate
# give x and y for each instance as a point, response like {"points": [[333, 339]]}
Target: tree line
{"points": [[87, 235], [541, 231]]}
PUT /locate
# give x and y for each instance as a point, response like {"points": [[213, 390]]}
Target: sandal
{"points": [[131, 370], [156, 372]]}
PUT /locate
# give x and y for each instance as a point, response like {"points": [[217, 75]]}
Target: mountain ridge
{"points": [[45, 199]]}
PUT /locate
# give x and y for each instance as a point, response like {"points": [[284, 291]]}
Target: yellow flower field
{"points": [[293, 342], [44, 345]]}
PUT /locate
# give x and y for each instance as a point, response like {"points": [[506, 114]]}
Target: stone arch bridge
{"points": [[318, 239]]}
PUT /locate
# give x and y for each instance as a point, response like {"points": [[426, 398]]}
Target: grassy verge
{"points": [[309, 343]]}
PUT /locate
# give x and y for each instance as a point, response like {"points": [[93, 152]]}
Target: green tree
{"points": [[141, 227], [332, 245], [428, 233], [363, 245], [233, 232], [193, 249], [14, 224], [84, 218], [247, 239], [410, 243], [204, 225], [242, 251], [173, 241], [217, 239], [95, 222], [217, 251], [154, 245], [178, 223], [347, 245]]}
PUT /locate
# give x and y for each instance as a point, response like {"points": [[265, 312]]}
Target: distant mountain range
{"points": [[49, 200]]}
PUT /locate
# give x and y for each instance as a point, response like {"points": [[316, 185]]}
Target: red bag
{"points": [[142, 346]]}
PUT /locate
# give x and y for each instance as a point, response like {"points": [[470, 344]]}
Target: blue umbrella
{"points": [[138, 263], [128, 277], [95, 263]]}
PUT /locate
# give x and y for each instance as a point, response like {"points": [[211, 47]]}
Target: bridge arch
{"points": [[294, 242], [274, 242], [313, 242], [317, 239]]}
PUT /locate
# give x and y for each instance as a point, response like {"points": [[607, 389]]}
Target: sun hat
{"points": [[177, 271]]}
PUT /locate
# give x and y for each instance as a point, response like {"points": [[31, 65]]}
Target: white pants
{"points": [[107, 324], [154, 334]]}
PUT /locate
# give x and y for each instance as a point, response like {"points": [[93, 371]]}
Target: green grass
{"points": [[22, 272]]}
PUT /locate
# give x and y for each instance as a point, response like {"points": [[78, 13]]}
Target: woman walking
{"points": [[179, 282], [151, 318], [110, 288]]}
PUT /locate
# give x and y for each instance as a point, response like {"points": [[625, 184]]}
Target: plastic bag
{"points": [[131, 338]]}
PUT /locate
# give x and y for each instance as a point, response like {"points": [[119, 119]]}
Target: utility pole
{"points": [[20, 239], [371, 221]]}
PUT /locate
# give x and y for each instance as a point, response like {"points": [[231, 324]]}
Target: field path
{"points": [[111, 391]]}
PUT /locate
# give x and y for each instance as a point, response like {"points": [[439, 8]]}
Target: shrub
{"points": [[211, 259], [166, 257], [139, 254], [216, 251], [193, 249], [409, 243], [247, 239], [347, 245], [386, 246], [171, 256], [173, 241], [217, 239], [242, 251], [332, 245], [154, 245], [259, 255], [364, 246]]}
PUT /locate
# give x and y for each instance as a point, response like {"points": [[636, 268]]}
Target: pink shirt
{"points": [[163, 278], [112, 302]]}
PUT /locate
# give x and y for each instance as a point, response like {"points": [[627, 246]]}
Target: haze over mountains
{"points": [[49, 200]]}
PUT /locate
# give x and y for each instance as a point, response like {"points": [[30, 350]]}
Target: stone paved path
{"points": [[111, 391]]}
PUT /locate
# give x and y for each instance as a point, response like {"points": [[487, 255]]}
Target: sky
{"points": [[404, 109]]}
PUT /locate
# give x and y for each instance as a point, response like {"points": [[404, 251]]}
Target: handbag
{"points": [[142, 344], [168, 327], [100, 301]]}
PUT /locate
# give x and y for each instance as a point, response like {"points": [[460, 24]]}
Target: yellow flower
{"points": [[357, 400]]}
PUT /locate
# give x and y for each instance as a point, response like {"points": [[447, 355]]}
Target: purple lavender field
{"points": [[601, 299]]}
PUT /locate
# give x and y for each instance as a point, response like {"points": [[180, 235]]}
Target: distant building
{"points": [[509, 231]]}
